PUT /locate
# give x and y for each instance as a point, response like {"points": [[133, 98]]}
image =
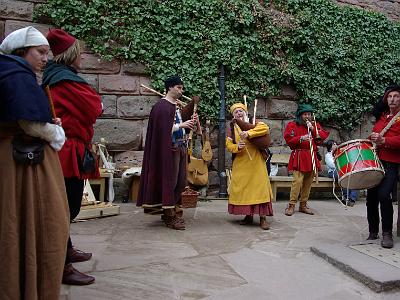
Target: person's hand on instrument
{"points": [[195, 117], [304, 138], [241, 145], [196, 125], [243, 135], [187, 124], [309, 125], [377, 138]]}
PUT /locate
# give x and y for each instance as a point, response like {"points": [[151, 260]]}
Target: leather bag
{"points": [[88, 163], [197, 172], [27, 150]]}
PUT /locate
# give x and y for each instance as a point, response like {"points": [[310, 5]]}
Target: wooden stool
{"points": [[102, 182]]}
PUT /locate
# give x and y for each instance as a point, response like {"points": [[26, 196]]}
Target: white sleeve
{"points": [[329, 161], [175, 127], [52, 133]]}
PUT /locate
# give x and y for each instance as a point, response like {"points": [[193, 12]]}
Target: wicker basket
{"points": [[189, 198]]}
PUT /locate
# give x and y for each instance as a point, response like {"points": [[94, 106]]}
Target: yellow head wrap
{"points": [[236, 106]]}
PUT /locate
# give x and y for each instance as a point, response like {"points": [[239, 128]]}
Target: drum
{"points": [[357, 165]]}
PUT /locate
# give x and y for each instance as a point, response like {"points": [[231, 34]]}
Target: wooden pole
{"points": [[52, 110]]}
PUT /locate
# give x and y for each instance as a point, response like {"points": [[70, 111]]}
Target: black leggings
{"points": [[74, 187], [381, 195]]}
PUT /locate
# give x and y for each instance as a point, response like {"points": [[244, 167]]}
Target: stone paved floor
{"points": [[136, 257]]}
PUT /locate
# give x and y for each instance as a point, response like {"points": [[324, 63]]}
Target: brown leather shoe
{"points": [[387, 240], [72, 276], [305, 209], [174, 222], [263, 223], [248, 220], [289, 211], [75, 255], [178, 212]]}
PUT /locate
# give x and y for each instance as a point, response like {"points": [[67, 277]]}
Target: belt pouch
{"points": [[28, 151]]}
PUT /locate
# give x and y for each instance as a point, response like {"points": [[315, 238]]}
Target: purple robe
{"points": [[157, 184]]}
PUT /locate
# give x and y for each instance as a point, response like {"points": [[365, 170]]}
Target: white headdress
{"points": [[21, 38]]}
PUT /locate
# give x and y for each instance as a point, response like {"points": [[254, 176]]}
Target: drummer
{"points": [[387, 114]]}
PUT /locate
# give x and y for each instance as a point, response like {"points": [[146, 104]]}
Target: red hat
{"points": [[59, 41]]}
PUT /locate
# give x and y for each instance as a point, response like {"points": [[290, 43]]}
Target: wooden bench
{"points": [[285, 182]]}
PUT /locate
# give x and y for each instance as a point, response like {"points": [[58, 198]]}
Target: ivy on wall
{"points": [[338, 58]]}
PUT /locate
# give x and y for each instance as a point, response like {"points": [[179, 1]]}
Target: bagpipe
{"points": [[260, 142], [197, 168]]}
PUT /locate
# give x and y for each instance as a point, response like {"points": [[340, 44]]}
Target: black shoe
{"points": [[351, 203], [387, 240], [373, 236]]}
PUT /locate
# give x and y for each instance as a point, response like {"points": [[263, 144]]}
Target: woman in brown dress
{"points": [[34, 219]]}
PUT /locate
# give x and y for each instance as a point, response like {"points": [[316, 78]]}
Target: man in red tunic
{"points": [[297, 137], [78, 105], [163, 175]]}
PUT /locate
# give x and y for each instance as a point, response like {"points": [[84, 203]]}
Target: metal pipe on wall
{"points": [[221, 136]]}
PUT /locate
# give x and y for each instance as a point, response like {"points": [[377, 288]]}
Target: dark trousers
{"points": [[74, 187], [179, 166], [380, 195]]}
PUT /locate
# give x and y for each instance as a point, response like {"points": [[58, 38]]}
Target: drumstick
{"points": [[163, 95], [247, 150], [390, 124], [48, 94]]}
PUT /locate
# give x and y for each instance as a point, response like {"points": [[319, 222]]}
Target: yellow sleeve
{"points": [[260, 130], [230, 146]]}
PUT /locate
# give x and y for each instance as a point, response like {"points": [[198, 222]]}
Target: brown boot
{"points": [[178, 212], [305, 209], [75, 255], [172, 221], [289, 209], [263, 223], [72, 276], [248, 220]]}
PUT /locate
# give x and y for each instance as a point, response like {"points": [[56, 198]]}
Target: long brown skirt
{"points": [[34, 226]]}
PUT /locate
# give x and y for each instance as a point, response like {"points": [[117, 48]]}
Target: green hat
{"points": [[302, 109]]}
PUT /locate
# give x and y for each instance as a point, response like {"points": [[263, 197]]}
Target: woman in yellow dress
{"points": [[250, 191]]}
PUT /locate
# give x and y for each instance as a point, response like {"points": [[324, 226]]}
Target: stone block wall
{"points": [[391, 8]]}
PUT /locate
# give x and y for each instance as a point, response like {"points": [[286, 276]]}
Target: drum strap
{"points": [[390, 123]]}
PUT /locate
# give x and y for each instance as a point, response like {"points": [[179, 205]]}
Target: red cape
{"points": [[78, 106]]}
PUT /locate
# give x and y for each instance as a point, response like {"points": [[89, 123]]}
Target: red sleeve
{"points": [[322, 133], [392, 135], [392, 142], [290, 136]]}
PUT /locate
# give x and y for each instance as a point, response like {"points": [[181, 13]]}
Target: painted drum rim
{"points": [[379, 170]]}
